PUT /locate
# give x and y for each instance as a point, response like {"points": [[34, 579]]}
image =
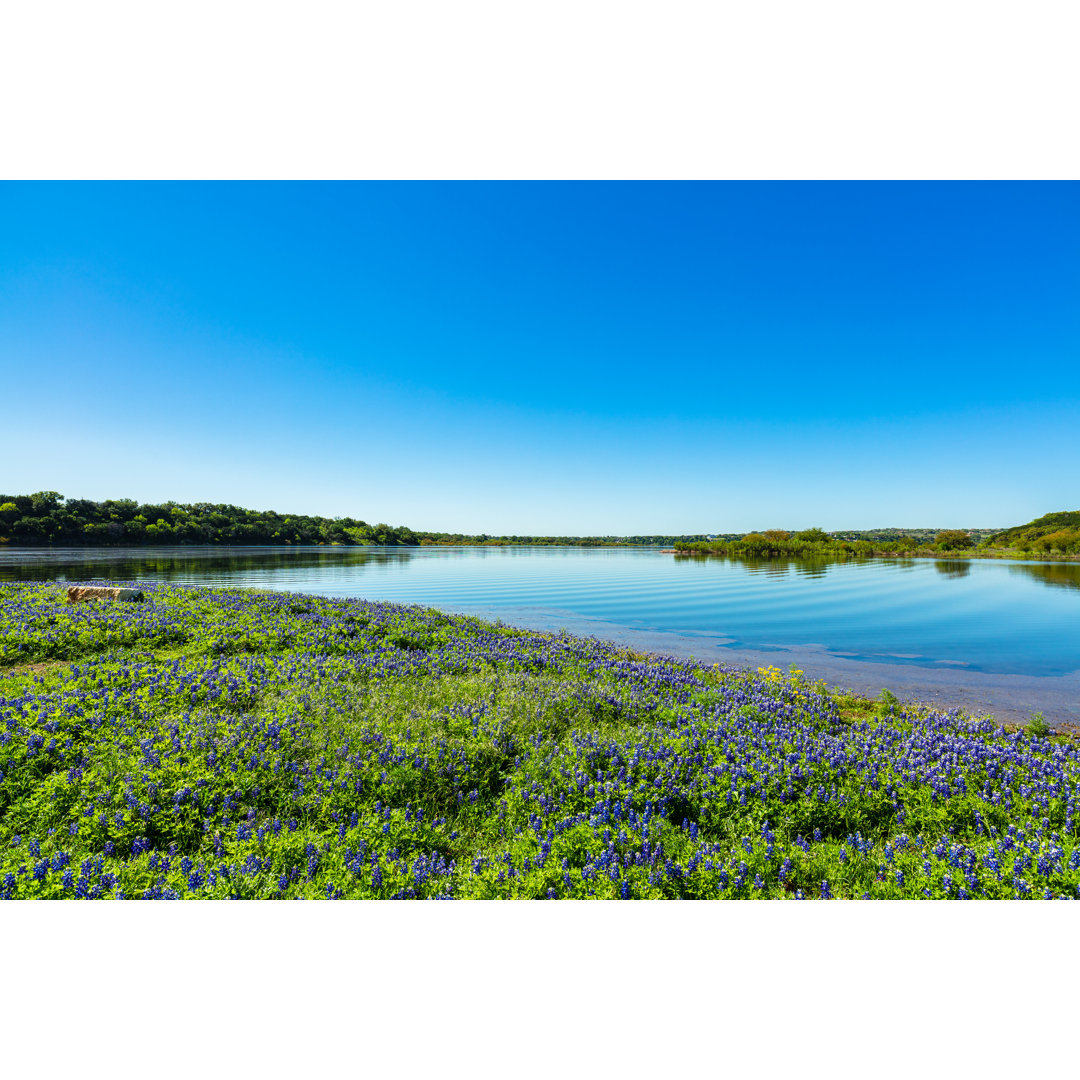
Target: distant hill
{"points": [[1060, 530], [920, 535]]}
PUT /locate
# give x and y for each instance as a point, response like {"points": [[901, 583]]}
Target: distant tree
{"points": [[952, 540], [1064, 541], [45, 502], [813, 536], [28, 529]]}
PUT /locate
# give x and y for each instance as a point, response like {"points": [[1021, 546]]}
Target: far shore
{"points": [[949, 556]]}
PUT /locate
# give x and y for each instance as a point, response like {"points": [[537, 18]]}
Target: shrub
{"points": [[1037, 725], [952, 539]]}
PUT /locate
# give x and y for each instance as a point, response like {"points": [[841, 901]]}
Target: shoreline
{"points": [[939, 556], [1013, 555], [1009, 698]]}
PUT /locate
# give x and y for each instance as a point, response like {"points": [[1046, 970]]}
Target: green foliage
{"points": [[953, 540], [890, 703], [1060, 542], [1057, 535], [813, 536], [47, 518], [1058, 531], [1038, 726]]}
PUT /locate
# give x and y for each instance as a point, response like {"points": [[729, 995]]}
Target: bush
{"points": [[952, 539], [1037, 725]]}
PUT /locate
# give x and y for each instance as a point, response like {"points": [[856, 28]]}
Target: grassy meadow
{"points": [[217, 743]]}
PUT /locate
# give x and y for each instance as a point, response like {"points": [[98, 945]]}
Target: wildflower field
{"points": [[232, 744]]}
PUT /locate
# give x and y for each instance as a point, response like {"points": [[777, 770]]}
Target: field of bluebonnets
{"points": [[216, 743]]}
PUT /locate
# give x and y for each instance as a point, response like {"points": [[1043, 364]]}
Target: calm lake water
{"points": [[999, 637]]}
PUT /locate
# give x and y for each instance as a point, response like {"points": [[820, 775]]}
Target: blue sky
{"points": [[549, 357]]}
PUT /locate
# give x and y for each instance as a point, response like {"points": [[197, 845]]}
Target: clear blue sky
{"points": [[548, 358]]}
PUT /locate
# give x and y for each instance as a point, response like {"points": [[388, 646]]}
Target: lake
{"points": [[993, 636]]}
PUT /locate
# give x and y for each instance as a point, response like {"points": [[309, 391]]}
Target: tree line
{"points": [[1052, 536], [46, 517], [773, 543]]}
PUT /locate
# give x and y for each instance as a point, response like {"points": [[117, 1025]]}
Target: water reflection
{"points": [[181, 564], [1061, 575], [779, 566], [952, 568]]}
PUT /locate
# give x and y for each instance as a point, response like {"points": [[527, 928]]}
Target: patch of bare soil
{"points": [[32, 669]]}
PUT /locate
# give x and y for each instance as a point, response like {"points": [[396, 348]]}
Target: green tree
{"points": [[952, 540], [45, 502], [813, 536]]}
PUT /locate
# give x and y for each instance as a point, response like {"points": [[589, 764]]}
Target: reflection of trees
{"points": [[770, 567], [774, 567], [953, 568], [1063, 575], [128, 564]]}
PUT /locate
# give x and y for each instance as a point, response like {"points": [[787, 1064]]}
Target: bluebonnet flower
{"points": [[705, 753]]}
